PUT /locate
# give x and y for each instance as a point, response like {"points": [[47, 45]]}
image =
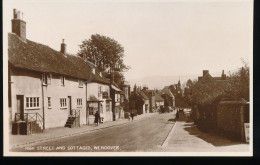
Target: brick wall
{"points": [[231, 119]]}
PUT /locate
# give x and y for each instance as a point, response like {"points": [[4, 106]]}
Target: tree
{"points": [[103, 51], [238, 83]]}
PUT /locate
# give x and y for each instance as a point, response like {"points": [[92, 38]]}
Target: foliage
{"points": [[167, 100], [238, 86], [105, 52], [136, 101], [188, 92], [208, 90]]}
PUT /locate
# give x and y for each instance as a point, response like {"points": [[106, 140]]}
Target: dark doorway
{"points": [[69, 105], [20, 106]]}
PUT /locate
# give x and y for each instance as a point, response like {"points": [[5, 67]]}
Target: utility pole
{"points": [[112, 93]]}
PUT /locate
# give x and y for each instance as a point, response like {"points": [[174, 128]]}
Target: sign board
{"points": [[246, 126]]}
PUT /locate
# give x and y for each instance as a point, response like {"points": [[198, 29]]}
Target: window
{"points": [[62, 80], [49, 76], [63, 103], [49, 102], [79, 102], [117, 97], [46, 79], [99, 91], [32, 102], [81, 84], [91, 110]]}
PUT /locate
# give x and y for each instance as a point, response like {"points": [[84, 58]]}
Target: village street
{"points": [[158, 133]]}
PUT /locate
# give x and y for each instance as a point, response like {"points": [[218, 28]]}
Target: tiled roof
{"points": [[167, 91], [143, 95], [158, 98], [92, 98], [33, 56]]}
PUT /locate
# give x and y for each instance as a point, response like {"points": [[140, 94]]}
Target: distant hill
{"points": [[161, 81]]}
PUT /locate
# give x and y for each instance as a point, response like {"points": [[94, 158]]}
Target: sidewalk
{"points": [[61, 132], [186, 137]]}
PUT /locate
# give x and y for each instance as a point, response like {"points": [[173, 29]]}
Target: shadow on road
{"points": [[173, 120], [212, 138]]}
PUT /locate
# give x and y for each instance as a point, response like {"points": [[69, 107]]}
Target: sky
{"points": [[166, 38]]}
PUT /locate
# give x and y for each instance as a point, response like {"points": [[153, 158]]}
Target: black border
{"points": [[160, 160]]}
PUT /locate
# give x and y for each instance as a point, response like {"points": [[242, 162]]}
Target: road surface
{"points": [[144, 135]]}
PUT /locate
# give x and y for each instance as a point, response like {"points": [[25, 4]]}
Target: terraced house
{"points": [[49, 88]]}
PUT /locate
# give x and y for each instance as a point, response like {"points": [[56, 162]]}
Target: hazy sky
{"points": [[160, 38]]}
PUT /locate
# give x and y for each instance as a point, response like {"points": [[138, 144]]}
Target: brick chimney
{"points": [[19, 25], [223, 75], [205, 72], [63, 47]]}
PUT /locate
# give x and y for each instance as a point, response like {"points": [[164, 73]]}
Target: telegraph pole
{"points": [[112, 93]]}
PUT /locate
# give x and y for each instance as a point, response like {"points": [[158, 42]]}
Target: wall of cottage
{"points": [[146, 102], [27, 84], [93, 89], [55, 115]]}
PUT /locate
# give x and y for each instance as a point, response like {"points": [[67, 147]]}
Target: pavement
{"points": [[186, 137], [62, 132]]}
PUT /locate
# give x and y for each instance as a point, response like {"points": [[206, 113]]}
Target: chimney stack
{"points": [[63, 47], [205, 72], [223, 75], [18, 25]]}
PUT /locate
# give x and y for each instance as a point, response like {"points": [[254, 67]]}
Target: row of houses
{"points": [[144, 100], [53, 88]]}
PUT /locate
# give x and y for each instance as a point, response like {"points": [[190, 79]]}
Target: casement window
{"points": [[62, 80], [91, 110], [81, 83], [46, 79], [79, 102], [63, 103], [99, 91], [117, 97], [49, 102], [32, 102]]}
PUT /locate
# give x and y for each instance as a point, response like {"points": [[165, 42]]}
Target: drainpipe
{"points": [[43, 114], [87, 103]]}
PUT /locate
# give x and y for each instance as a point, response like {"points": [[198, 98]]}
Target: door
{"points": [[20, 106], [69, 105]]}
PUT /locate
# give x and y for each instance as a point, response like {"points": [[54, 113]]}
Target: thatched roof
{"points": [[37, 57]]}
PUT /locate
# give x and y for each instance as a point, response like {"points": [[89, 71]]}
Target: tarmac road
{"points": [[144, 135]]}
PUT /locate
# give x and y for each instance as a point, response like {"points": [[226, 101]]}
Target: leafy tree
{"points": [[208, 90], [105, 52], [238, 83]]}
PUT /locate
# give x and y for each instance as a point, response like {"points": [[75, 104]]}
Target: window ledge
{"points": [[80, 86], [44, 84], [63, 107], [33, 108], [49, 107], [79, 106]]}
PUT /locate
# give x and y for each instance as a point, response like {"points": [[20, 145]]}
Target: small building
{"points": [[159, 101], [146, 102], [151, 96], [166, 90]]}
